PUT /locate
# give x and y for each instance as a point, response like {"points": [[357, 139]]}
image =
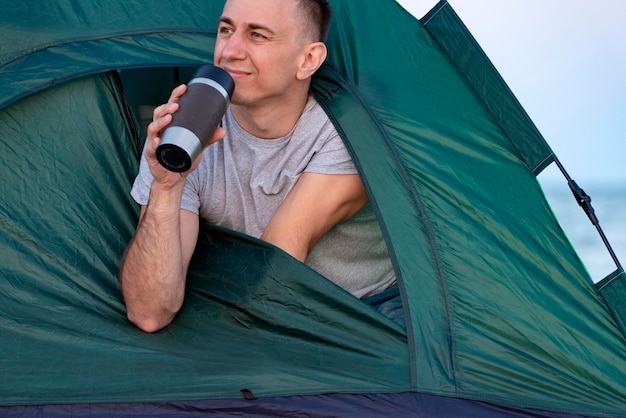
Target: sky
{"points": [[565, 61]]}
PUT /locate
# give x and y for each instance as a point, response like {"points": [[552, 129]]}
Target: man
{"points": [[277, 170]]}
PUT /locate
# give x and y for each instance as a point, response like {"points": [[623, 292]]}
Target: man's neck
{"points": [[270, 121]]}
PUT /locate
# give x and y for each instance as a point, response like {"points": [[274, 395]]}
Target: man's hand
{"points": [[161, 118]]}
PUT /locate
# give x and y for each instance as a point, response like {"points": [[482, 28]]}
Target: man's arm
{"points": [[316, 204], [154, 266]]}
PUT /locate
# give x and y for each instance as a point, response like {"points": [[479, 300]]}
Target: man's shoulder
{"points": [[315, 114]]}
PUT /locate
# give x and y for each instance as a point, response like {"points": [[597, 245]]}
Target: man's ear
{"points": [[313, 57]]}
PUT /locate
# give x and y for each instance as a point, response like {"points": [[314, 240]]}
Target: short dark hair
{"points": [[317, 13]]}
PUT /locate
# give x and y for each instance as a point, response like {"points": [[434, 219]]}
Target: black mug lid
{"points": [[218, 75]]}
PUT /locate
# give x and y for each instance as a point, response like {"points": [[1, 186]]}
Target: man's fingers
{"points": [[158, 124], [176, 93], [164, 109], [218, 135]]}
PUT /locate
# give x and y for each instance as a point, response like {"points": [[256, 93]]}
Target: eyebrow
{"points": [[253, 26]]}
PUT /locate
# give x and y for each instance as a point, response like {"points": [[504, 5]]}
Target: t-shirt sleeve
{"points": [[332, 158], [191, 196], [143, 183]]}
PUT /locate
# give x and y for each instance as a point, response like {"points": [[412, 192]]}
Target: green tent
{"points": [[502, 316]]}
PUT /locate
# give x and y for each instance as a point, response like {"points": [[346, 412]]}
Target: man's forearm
{"points": [[152, 274]]}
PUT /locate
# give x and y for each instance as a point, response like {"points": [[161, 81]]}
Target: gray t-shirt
{"points": [[242, 180]]}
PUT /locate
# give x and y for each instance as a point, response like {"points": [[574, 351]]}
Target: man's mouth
{"points": [[236, 74]]}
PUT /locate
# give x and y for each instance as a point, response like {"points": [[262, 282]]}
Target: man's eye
{"points": [[225, 30], [257, 35]]}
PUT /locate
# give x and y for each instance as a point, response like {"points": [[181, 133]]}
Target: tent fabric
{"points": [[57, 41], [501, 313], [454, 39], [397, 405], [613, 289]]}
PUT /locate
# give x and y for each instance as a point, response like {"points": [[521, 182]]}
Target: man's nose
{"points": [[234, 47]]}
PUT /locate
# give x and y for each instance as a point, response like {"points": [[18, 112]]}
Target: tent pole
{"points": [[584, 201]]}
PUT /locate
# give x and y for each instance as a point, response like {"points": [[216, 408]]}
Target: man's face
{"points": [[260, 44]]}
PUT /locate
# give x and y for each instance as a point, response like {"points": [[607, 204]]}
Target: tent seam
{"points": [[109, 36], [422, 215]]}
